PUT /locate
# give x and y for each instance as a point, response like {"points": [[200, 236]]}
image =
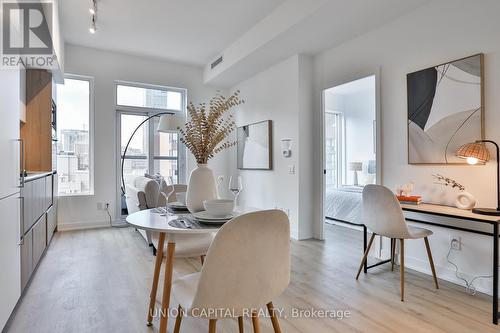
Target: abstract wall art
{"points": [[445, 110], [254, 147]]}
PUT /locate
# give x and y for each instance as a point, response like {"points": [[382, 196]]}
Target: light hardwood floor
{"points": [[99, 280]]}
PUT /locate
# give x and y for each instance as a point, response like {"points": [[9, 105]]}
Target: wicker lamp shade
{"points": [[355, 166], [475, 150]]}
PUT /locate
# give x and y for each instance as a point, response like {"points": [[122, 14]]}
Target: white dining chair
{"points": [[246, 267], [383, 215], [187, 246]]}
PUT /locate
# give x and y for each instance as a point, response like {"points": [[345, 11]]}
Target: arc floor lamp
{"points": [[169, 122], [476, 152]]}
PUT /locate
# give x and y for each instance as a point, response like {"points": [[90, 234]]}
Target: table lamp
{"points": [[355, 166], [475, 152]]}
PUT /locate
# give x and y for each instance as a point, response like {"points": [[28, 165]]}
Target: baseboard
{"points": [[82, 225], [446, 274]]}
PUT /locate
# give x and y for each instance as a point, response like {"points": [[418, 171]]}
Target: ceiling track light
{"points": [[93, 27], [93, 7], [93, 16]]}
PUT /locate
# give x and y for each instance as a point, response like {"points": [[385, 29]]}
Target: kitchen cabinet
{"points": [[10, 283], [38, 221], [36, 132], [51, 223], [39, 239], [26, 258]]}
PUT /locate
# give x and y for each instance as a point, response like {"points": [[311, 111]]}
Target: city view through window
{"points": [[149, 151], [73, 139]]}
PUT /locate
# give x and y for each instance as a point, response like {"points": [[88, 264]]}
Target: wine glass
{"points": [[236, 186], [170, 182]]}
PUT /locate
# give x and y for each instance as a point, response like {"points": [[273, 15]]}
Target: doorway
{"points": [[351, 158]]}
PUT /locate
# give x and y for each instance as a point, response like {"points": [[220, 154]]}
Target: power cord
{"points": [[111, 220], [469, 286]]}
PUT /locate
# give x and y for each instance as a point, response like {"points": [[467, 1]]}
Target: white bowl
{"points": [[219, 207]]}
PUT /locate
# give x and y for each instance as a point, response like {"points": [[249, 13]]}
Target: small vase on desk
{"points": [[201, 187], [465, 200]]}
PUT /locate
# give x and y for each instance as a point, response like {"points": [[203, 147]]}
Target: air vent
{"points": [[216, 62]]}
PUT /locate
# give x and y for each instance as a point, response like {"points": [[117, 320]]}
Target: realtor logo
{"points": [[26, 34]]}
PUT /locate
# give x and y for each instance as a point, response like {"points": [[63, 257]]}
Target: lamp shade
{"points": [[355, 166], [169, 123], [475, 152]]}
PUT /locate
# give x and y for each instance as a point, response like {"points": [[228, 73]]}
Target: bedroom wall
{"points": [[282, 94], [106, 67], [438, 32]]}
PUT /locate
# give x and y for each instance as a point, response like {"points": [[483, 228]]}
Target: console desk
{"points": [[465, 222]]}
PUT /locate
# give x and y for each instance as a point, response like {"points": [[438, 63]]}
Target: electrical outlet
{"points": [[106, 205], [99, 206], [291, 169], [456, 243]]}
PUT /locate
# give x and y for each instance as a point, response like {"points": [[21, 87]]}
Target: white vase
{"points": [[201, 187], [465, 200]]}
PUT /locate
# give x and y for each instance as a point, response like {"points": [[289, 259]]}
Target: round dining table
{"points": [[156, 221]]}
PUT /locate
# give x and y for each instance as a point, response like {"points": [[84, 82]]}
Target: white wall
{"points": [[282, 94], [438, 32], [106, 67]]}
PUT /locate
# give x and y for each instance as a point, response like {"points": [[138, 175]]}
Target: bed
{"points": [[344, 204]]}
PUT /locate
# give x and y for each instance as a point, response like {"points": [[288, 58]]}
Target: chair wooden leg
{"points": [[431, 262], [156, 275], [255, 323], [240, 324], [274, 319], [202, 260], [167, 287], [365, 256], [393, 252], [402, 268], [212, 326], [178, 320]]}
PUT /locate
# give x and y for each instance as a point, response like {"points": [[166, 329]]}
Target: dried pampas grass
{"points": [[205, 132]]}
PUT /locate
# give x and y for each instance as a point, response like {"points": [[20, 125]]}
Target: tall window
{"points": [[74, 130], [149, 151], [333, 149]]}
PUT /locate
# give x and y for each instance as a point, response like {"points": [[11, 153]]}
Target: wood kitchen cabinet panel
{"points": [[37, 130]]}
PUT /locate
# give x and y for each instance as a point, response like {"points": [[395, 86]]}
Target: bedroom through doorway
{"points": [[349, 149]]}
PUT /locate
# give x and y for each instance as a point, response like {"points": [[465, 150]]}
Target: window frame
{"points": [[120, 107], [91, 82], [147, 112]]}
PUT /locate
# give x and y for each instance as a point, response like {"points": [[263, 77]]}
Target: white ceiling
{"points": [[186, 31]]}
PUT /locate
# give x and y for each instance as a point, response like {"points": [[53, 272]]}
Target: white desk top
{"points": [[449, 212]]}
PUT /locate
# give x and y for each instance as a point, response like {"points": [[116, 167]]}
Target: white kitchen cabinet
{"points": [[10, 278], [10, 145]]}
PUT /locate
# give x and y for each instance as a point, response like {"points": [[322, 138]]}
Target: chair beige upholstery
{"points": [[383, 215], [143, 193], [247, 266]]}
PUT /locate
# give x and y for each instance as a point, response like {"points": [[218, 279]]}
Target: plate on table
{"points": [[205, 216]]}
